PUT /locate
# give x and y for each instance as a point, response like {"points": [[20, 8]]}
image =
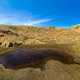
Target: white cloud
{"points": [[38, 21], [13, 18], [17, 18]]}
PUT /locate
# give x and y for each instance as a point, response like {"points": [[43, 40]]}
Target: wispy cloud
{"points": [[36, 22], [20, 19], [17, 17]]}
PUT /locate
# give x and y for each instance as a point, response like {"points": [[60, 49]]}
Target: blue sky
{"points": [[40, 12]]}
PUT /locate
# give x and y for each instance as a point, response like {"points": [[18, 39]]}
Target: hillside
{"points": [[12, 37], [29, 36]]}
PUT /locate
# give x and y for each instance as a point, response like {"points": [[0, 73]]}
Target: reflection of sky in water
{"points": [[29, 56], [20, 57]]}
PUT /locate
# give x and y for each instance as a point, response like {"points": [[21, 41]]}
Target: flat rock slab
{"points": [[54, 70]]}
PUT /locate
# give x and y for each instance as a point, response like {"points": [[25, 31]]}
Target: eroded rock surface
{"points": [[53, 70]]}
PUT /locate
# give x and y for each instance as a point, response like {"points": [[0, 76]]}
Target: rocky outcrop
{"points": [[11, 36], [10, 44], [33, 41]]}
